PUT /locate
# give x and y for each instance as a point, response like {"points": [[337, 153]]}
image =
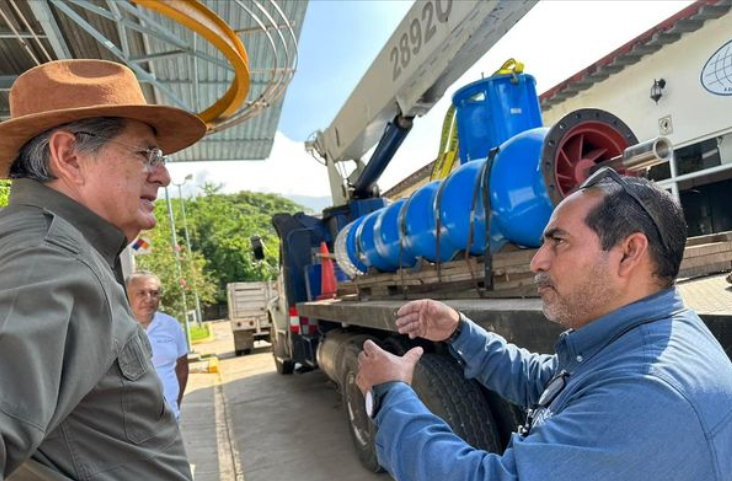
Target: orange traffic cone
{"points": [[328, 284]]}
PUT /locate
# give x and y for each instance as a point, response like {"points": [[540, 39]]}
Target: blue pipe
{"points": [[527, 176]]}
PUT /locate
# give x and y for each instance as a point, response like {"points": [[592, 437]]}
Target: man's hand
{"points": [[428, 319], [376, 366]]}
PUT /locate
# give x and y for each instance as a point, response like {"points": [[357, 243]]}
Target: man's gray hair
{"points": [[32, 160], [141, 274]]}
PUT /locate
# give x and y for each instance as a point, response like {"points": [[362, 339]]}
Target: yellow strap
{"points": [[510, 66], [199, 18], [448, 146]]}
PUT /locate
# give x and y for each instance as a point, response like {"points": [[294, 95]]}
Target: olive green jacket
{"points": [[79, 398]]}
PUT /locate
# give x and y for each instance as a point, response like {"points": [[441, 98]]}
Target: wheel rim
{"points": [[356, 410]]}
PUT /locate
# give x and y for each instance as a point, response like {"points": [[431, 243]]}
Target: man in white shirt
{"points": [[170, 353]]}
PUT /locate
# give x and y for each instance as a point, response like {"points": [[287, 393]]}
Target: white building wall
{"points": [[695, 114]]}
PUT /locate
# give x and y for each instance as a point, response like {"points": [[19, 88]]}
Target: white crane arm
{"points": [[433, 46]]}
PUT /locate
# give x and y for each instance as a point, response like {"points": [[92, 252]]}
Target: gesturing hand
{"points": [[376, 366], [428, 319]]}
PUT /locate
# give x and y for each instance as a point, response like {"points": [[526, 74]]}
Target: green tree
{"points": [[4, 192], [161, 261], [221, 226]]}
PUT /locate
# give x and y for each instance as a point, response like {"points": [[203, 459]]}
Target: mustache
{"points": [[543, 280]]}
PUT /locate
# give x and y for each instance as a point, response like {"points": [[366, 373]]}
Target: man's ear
{"points": [[63, 159], [633, 250]]}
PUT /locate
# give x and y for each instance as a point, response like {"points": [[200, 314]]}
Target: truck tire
{"points": [[440, 384], [283, 366], [507, 416], [243, 342], [398, 345], [362, 429]]}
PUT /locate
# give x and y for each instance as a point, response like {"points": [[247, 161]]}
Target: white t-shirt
{"points": [[168, 344]]}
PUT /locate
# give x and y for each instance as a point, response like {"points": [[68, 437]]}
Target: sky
{"points": [[340, 39]]}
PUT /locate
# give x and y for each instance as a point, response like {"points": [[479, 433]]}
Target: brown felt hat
{"points": [[64, 91]]}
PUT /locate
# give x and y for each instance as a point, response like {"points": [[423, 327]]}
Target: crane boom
{"points": [[433, 46]]}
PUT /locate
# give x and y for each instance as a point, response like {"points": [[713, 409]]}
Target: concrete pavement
{"points": [[248, 422], [204, 417]]}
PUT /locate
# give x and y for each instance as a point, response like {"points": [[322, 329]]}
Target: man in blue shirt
{"points": [[638, 389]]}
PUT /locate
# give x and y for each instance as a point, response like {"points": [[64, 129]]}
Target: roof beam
{"points": [[6, 34], [251, 30], [42, 11], [141, 73], [156, 56]]}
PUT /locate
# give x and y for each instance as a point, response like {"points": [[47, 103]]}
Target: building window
{"points": [[699, 156]]}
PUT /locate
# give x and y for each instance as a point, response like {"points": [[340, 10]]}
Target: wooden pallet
{"points": [[512, 276], [455, 279]]}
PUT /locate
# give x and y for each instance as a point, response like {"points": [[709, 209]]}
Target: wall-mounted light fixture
{"points": [[657, 89]]}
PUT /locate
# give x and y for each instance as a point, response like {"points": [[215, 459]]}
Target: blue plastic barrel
{"points": [[492, 110]]}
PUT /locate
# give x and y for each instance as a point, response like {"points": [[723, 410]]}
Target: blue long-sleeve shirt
{"points": [[648, 397]]}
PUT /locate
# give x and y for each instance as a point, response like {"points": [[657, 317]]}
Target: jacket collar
{"points": [[107, 239], [576, 346]]}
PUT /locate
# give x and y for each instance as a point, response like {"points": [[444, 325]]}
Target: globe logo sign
{"points": [[716, 76]]}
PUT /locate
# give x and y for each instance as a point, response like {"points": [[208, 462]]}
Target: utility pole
{"points": [[199, 317], [178, 269]]}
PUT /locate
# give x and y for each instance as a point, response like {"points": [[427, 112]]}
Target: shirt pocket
{"points": [[164, 349], [143, 406]]}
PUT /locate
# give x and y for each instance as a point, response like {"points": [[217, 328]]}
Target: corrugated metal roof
{"points": [[121, 24], [669, 31]]}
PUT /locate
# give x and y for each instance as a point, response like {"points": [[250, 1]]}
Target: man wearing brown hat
{"points": [[79, 398]]}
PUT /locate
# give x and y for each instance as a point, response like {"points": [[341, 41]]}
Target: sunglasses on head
{"points": [[609, 173]]}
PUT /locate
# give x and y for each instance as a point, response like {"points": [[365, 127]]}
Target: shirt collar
{"points": [[107, 239], [576, 346]]}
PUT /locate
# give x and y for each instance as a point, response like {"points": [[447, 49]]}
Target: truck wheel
{"points": [[286, 366], [398, 345], [440, 384], [362, 429], [507, 415], [283, 366]]}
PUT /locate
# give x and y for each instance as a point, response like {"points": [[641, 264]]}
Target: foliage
{"points": [[198, 333], [4, 192], [221, 226], [162, 261]]}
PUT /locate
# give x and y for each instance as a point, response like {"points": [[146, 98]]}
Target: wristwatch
{"points": [[459, 329]]}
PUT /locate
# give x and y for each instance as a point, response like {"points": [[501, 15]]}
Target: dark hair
{"points": [[32, 159], [618, 216]]}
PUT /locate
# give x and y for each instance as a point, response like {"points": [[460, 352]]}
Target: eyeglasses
{"points": [[154, 157], [608, 172], [553, 389]]}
